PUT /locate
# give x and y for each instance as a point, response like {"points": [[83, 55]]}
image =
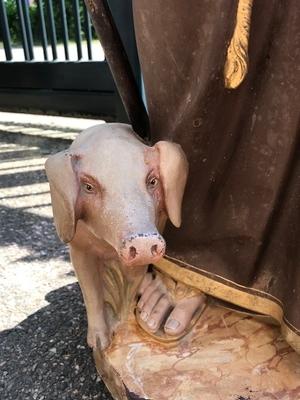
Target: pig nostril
{"points": [[132, 252], [154, 250]]}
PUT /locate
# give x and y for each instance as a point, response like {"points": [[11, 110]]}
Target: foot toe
{"points": [[151, 302], [146, 296], [182, 314], [159, 313], [147, 280], [157, 307]]}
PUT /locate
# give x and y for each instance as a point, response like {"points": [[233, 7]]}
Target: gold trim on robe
{"points": [[231, 292]]}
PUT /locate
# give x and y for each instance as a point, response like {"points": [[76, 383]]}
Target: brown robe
{"points": [[240, 237]]}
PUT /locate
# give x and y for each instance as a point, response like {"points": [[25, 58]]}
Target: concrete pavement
{"points": [[43, 351]]}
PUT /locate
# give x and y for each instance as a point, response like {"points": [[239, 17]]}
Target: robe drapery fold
{"points": [[240, 236]]}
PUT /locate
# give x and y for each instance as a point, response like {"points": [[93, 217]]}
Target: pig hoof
{"points": [[98, 339], [168, 310]]}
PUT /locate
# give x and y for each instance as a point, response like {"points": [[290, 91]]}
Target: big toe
{"points": [[182, 315]]}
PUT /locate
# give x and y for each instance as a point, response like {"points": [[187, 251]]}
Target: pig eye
{"points": [[88, 187], [152, 182]]}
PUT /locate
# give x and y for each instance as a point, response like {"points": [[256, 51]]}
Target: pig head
{"points": [[111, 196]]}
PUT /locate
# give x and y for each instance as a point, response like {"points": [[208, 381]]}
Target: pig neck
{"points": [[120, 282]]}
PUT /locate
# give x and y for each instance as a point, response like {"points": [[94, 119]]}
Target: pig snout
{"points": [[143, 248]]}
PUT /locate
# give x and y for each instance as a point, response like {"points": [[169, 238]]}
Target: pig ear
{"points": [[64, 190], [173, 167]]}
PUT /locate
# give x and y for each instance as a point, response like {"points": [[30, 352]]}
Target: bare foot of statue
{"points": [[167, 306]]}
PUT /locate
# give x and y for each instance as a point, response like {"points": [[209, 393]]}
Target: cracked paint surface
{"points": [[227, 356]]}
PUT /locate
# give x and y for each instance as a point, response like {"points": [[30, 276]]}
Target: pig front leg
{"points": [[89, 271]]}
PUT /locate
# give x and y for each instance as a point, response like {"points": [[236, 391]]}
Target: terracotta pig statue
{"points": [[111, 196]]}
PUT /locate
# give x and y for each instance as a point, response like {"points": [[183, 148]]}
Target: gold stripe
{"points": [[221, 290], [236, 65], [232, 293]]}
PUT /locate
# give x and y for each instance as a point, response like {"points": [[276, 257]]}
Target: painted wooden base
{"points": [[227, 356]]}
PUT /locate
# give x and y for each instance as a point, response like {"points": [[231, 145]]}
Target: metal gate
{"points": [[51, 60]]}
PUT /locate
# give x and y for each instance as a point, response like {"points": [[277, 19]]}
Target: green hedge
{"points": [[14, 24]]}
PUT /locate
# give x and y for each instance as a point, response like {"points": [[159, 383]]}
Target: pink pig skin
{"points": [[111, 196]]}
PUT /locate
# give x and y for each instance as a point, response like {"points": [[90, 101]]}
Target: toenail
{"points": [[172, 324], [144, 315], [151, 323]]}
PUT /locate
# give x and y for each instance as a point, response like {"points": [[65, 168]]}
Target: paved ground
{"points": [[43, 351]]}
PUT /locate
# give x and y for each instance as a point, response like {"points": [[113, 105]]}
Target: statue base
{"points": [[227, 356]]}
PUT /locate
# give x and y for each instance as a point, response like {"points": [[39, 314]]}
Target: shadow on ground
{"points": [[45, 357], [34, 232], [31, 231]]}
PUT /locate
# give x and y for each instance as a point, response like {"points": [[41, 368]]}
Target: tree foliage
{"points": [[14, 22]]}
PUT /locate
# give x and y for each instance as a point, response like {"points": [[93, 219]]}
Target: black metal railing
{"points": [[45, 25], [5, 31], [51, 60]]}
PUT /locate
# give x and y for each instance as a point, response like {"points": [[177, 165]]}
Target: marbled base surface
{"points": [[227, 356]]}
